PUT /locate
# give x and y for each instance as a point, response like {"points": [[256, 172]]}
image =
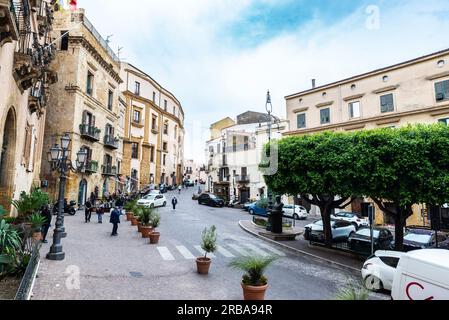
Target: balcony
{"points": [[111, 142], [92, 167], [242, 179], [8, 22], [109, 170], [90, 132]]}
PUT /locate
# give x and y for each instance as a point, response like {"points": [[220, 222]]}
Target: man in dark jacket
{"points": [[88, 211], [115, 220], [174, 202], [46, 213]]}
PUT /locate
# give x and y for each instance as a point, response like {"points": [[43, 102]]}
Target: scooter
{"points": [[68, 208], [233, 203]]}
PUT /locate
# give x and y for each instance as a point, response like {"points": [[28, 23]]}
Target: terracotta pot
{"points": [[37, 236], [129, 216], [252, 293], [146, 231], [154, 237], [139, 227], [134, 221], [203, 265]]}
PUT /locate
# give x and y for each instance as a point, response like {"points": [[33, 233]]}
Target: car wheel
{"points": [[373, 283], [165, 204], [251, 212], [296, 217], [152, 206]]}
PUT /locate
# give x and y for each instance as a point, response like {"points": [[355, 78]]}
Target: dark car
{"points": [[163, 188], [361, 240], [415, 239], [211, 200]]}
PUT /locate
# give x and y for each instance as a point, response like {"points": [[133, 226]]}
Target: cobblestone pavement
{"points": [[98, 266]]}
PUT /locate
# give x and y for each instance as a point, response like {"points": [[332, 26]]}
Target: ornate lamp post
{"points": [[59, 157]]}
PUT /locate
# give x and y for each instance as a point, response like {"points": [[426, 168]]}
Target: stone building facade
{"points": [[415, 91], [85, 104], [154, 132], [26, 51]]}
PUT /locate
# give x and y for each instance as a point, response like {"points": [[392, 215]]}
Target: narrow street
{"points": [[127, 267]]}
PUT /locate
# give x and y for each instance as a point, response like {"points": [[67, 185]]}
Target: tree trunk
{"points": [[326, 216], [399, 230]]}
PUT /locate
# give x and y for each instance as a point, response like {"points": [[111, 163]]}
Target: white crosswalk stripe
{"points": [[240, 250], [202, 252], [185, 252], [256, 249], [165, 254], [225, 252], [274, 250]]}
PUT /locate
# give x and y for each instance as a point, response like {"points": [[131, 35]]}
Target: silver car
{"points": [[341, 230]]}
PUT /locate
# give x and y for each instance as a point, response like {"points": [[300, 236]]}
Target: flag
{"points": [[73, 4], [64, 5]]}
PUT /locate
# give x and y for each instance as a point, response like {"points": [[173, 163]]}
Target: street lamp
{"points": [[58, 156]]}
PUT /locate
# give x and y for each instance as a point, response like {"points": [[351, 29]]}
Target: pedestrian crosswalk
{"points": [[231, 250]]}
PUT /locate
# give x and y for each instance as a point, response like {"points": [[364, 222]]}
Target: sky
{"points": [[219, 57]]}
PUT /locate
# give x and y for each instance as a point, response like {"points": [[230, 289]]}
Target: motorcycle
{"points": [[233, 203], [68, 208]]}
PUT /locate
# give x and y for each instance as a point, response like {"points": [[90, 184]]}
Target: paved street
{"points": [[127, 267]]}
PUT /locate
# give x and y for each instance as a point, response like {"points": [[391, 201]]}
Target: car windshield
{"points": [[419, 238], [212, 196], [319, 223], [367, 233], [150, 197]]}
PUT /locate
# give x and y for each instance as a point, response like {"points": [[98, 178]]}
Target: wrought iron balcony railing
{"points": [[92, 166], [111, 142], [243, 179], [109, 170], [90, 132]]}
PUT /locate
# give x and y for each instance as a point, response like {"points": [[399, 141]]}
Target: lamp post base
{"points": [[56, 256], [64, 235]]}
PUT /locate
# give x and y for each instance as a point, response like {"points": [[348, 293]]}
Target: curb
{"points": [[297, 250], [31, 293]]}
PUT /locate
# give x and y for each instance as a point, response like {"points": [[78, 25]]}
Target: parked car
{"points": [[296, 212], [153, 201], [341, 231], [163, 188], [418, 238], [195, 196], [211, 200], [256, 209], [378, 271], [361, 240], [189, 183], [247, 205], [422, 275], [354, 218]]}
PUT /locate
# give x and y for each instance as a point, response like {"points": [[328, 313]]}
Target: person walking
{"points": [[115, 220], [174, 202], [179, 189], [46, 213], [119, 204], [88, 211], [100, 212]]}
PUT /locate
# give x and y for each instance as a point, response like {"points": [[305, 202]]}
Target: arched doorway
{"points": [[106, 188], [82, 193], [7, 163]]}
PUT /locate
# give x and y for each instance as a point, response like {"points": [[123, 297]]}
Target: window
{"points": [[246, 144], [442, 90], [234, 144], [165, 105], [152, 154], [390, 261], [385, 78], [136, 116], [154, 97], [441, 63], [166, 128], [164, 160], [137, 89], [154, 123], [445, 121], [110, 99], [387, 103], [64, 40], [301, 120], [353, 87], [325, 116], [90, 83], [174, 111], [354, 110], [164, 146], [176, 132], [135, 150], [119, 167]]}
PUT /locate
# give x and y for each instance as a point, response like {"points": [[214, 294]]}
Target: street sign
{"points": [[372, 218]]}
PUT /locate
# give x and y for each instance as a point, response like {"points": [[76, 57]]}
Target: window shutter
{"points": [[27, 147], [93, 121], [84, 117]]}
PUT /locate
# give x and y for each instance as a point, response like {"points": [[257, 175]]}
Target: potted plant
{"points": [[254, 282], [28, 204], [155, 223], [37, 221], [129, 207], [135, 217], [146, 228], [209, 245]]}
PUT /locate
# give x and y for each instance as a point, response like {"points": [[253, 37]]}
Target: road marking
{"points": [[165, 254], [200, 250], [274, 250], [185, 252], [240, 250], [225, 252], [256, 249]]}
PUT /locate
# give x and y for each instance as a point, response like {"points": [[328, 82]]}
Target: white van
{"points": [[422, 275]]}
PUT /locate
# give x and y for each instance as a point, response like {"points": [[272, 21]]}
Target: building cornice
{"points": [[385, 89], [354, 97], [379, 120]]}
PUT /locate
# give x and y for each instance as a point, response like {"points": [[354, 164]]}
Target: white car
{"points": [[299, 212], [351, 217], [153, 201], [378, 271]]}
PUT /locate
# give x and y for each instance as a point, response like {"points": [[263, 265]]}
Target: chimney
{"points": [[313, 83]]}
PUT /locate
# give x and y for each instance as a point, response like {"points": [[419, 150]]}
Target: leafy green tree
{"points": [[322, 168]]}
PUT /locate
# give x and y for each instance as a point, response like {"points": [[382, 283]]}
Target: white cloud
{"points": [[177, 43]]}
